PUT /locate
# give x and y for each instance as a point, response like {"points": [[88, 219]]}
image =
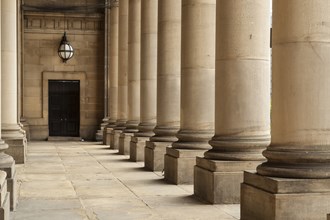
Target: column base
{"points": [[9, 168], [99, 135], [154, 153], [26, 128], [179, 165], [137, 146], [107, 136], [124, 143], [114, 142], [17, 143], [17, 149], [219, 182], [4, 197], [283, 198]]}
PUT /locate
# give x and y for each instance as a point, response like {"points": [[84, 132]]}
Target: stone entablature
{"points": [[58, 22]]}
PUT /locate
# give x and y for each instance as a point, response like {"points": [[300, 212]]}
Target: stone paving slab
{"points": [[47, 189], [37, 204], [75, 214], [88, 181]]}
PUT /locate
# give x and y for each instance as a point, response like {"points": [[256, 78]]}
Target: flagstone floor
{"points": [[87, 180]]}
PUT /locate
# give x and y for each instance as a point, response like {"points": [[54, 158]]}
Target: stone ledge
{"points": [[258, 204], [286, 185], [226, 166], [181, 153]]}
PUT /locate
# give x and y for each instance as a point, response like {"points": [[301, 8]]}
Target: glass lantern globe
{"points": [[65, 50]]}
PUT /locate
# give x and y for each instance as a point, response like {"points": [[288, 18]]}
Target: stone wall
{"points": [[42, 33]]}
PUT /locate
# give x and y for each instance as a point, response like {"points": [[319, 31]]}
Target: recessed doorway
{"points": [[64, 108]]}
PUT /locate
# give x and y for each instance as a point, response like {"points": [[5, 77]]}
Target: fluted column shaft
{"points": [[169, 70], [149, 23], [197, 74], [300, 127], [113, 63], [134, 54], [122, 64], [242, 100]]}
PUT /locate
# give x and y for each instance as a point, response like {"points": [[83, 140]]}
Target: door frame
{"points": [[79, 76]]}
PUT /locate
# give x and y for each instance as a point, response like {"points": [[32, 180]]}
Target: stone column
{"points": [[122, 73], [105, 121], [113, 69], [197, 90], [148, 105], [168, 83], [134, 54], [10, 128], [242, 100], [294, 182]]}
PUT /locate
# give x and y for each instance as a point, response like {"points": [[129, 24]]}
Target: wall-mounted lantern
{"points": [[65, 50]]}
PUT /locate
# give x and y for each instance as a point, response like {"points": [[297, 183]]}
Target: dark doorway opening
{"points": [[64, 108]]}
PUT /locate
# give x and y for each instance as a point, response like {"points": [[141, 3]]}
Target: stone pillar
{"points": [[168, 83], [294, 182], [11, 131], [197, 90], [242, 100], [8, 75], [105, 121], [134, 54], [113, 70], [148, 105], [122, 74]]}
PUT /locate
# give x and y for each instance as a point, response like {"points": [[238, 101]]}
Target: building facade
{"points": [[190, 87]]}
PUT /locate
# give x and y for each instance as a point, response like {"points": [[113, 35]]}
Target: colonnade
{"points": [[196, 76]]}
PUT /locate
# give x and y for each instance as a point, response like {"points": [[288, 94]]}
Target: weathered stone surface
{"points": [[302, 200], [107, 136], [114, 140], [17, 149], [40, 46], [137, 146], [4, 197], [11, 183], [218, 182], [5, 208], [179, 165], [154, 155], [124, 143]]}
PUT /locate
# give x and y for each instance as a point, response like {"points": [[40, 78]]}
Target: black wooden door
{"points": [[64, 108]]}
